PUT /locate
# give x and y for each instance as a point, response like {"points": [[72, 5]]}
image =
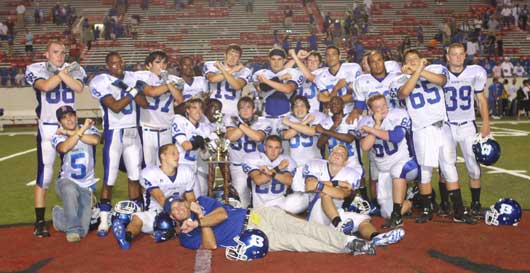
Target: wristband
{"points": [[320, 186], [335, 183], [277, 169]]}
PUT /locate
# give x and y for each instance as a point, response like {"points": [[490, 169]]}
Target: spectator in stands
{"points": [[20, 78], [524, 17], [3, 31], [494, 93], [507, 68], [524, 100], [512, 97], [313, 41], [477, 22], [39, 14], [500, 47], [506, 12], [504, 102], [359, 51], [493, 25], [134, 27], [28, 43], [472, 49], [465, 27], [518, 70], [144, 4], [288, 20], [56, 14], [327, 22], [419, 35], [21, 12], [97, 32], [285, 43], [497, 70], [516, 11]]}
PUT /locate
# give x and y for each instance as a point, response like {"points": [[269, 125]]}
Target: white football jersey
{"points": [[49, 102], [319, 169], [354, 151], [392, 67], [460, 90], [366, 86], [78, 163], [272, 190], [245, 145], [385, 153], [347, 71], [183, 130], [100, 87], [159, 112], [303, 148], [198, 86], [223, 91], [426, 103], [309, 90], [153, 177]]}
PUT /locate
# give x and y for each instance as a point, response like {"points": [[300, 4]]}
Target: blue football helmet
{"points": [[123, 211], [505, 212], [251, 244], [487, 151], [163, 222]]}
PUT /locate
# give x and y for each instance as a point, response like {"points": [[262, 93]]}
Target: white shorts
{"points": [[239, 182], [463, 134], [152, 139], [126, 144], [407, 170], [46, 154], [148, 220]]}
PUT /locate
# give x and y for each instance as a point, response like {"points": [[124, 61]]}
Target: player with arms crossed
{"points": [[194, 86], [464, 84], [55, 83], [119, 100], [227, 78], [309, 63], [421, 87]]}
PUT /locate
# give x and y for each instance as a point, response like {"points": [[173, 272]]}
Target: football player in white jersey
{"points": [[271, 174], [388, 138], [391, 66], [162, 91], [309, 63], [245, 131], [194, 86], [119, 100], [276, 86], [189, 135], [331, 181], [55, 83], [464, 84], [422, 91], [77, 146], [337, 79], [227, 78], [159, 183]]}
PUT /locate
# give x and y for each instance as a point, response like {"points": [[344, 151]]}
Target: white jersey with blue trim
{"points": [[154, 178], [49, 102], [245, 144], [385, 153], [183, 130], [367, 85], [78, 163], [460, 90], [327, 80], [159, 111], [223, 91], [295, 76], [319, 169], [303, 148], [354, 151], [196, 87], [309, 90], [272, 190], [426, 103], [101, 86]]}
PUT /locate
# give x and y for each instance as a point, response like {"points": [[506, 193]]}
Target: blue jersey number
{"points": [[301, 139], [156, 104], [276, 188], [60, 93], [417, 100], [78, 166], [129, 108], [332, 142], [244, 143], [312, 92], [387, 148], [230, 93], [453, 96]]}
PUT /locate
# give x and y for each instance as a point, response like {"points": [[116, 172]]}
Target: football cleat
{"points": [[476, 210], [444, 210], [389, 238], [395, 221], [346, 227], [118, 229], [103, 228], [465, 219], [73, 238], [361, 247], [40, 229], [425, 216]]}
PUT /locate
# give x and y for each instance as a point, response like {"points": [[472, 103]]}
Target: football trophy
{"points": [[218, 150]]}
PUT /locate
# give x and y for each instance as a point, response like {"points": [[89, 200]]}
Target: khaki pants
{"points": [[288, 233]]}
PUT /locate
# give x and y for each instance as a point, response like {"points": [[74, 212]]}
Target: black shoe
{"points": [[425, 217], [444, 210], [361, 247], [465, 218], [395, 221], [40, 229], [476, 210]]}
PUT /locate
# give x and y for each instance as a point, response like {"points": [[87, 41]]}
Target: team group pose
{"points": [[300, 158]]}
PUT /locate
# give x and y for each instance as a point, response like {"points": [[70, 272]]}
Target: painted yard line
{"points": [[203, 261], [17, 154], [510, 130], [513, 122], [499, 170], [34, 182], [18, 133]]}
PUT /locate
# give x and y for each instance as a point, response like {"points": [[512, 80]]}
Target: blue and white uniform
{"points": [[47, 105], [154, 178], [120, 130], [460, 104], [327, 80], [354, 150], [223, 91], [309, 90], [367, 85], [197, 87]]}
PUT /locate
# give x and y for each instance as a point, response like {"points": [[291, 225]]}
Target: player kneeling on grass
{"points": [[331, 181], [387, 137], [167, 181], [77, 145]]}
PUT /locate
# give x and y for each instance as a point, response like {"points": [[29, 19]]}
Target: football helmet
{"points": [[251, 244], [164, 227], [360, 205], [233, 197], [487, 151], [123, 211], [506, 211]]}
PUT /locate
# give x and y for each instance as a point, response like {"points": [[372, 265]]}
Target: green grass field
{"points": [[17, 198]]}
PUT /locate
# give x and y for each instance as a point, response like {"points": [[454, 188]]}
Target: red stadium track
{"points": [[439, 246]]}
